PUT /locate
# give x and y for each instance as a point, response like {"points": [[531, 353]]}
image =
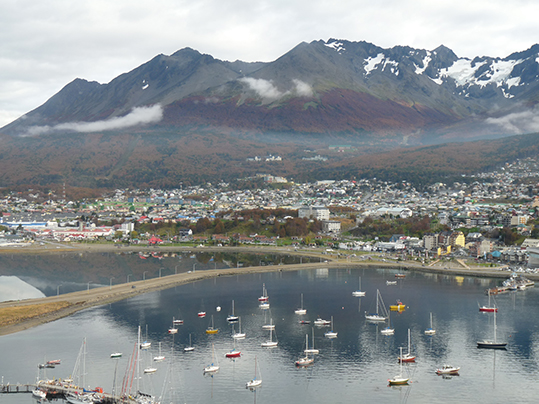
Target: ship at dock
{"points": [[514, 282]]}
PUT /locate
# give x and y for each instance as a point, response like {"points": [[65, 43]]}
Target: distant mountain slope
{"points": [[164, 160], [323, 87]]}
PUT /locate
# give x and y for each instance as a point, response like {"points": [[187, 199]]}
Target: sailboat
{"points": [[269, 326], [492, 344], [177, 321], [149, 369], [301, 310], [271, 343], [232, 317], [399, 379], [146, 344], [239, 334], [489, 308], [233, 353], [388, 330], [359, 292], [173, 330], [255, 381], [189, 348], [331, 333], [159, 358], [211, 329], [214, 366], [306, 360], [430, 331], [264, 297], [408, 357], [312, 349], [381, 311]]}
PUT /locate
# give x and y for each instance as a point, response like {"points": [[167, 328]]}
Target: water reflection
{"points": [[14, 288], [357, 363]]}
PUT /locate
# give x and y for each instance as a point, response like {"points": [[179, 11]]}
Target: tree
{"points": [[219, 227]]}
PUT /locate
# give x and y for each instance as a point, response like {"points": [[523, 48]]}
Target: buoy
{"points": [[218, 308]]}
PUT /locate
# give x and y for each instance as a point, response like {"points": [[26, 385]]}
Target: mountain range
{"points": [[317, 94]]}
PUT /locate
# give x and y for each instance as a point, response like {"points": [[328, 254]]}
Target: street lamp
{"points": [[58, 290], [144, 275], [160, 272], [176, 270], [110, 286], [194, 265], [88, 289], [128, 277]]}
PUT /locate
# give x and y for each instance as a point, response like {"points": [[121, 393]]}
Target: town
{"points": [[490, 217]]}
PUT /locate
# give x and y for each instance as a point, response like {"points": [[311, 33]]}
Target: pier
{"points": [[16, 388]]}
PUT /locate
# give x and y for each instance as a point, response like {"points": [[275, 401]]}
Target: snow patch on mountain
{"points": [[426, 61], [338, 46], [465, 73], [371, 63]]}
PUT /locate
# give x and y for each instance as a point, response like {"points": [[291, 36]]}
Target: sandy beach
{"points": [[16, 316]]}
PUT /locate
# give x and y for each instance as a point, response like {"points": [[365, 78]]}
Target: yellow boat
{"points": [[211, 329], [400, 306]]}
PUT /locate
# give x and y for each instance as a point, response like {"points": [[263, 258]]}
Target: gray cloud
{"points": [[138, 116], [518, 122]]}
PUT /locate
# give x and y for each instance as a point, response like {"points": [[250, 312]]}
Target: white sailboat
{"points": [[160, 357], [145, 344], [381, 311], [264, 297], [239, 334], [301, 310], [232, 318], [492, 344], [214, 366], [305, 360], [189, 348], [399, 379], [331, 333], [270, 343], [407, 357], [312, 349], [269, 326], [255, 381], [430, 331], [173, 329], [359, 292], [388, 330]]}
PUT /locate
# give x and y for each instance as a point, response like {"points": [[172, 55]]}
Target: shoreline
{"points": [[77, 301]]}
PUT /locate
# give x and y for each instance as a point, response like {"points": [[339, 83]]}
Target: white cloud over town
{"points": [[138, 116]]}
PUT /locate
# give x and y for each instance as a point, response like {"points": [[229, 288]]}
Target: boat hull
{"points": [[485, 309], [492, 345], [398, 381]]}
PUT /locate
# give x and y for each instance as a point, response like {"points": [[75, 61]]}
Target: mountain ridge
{"points": [[436, 82]]}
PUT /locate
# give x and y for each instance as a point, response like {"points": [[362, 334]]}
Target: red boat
{"points": [[488, 308], [54, 362], [202, 314], [233, 354]]}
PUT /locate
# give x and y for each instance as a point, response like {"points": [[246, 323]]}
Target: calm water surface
{"points": [[351, 368]]}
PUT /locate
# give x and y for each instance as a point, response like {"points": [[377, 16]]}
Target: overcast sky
{"points": [[44, 45]]}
